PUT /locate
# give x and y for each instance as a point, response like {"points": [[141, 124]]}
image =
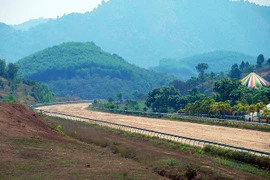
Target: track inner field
{"points": [[238, 137]]}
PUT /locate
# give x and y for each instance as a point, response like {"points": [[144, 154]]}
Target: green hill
{"points": [[84, 70], [218, 61], [143, 32]]}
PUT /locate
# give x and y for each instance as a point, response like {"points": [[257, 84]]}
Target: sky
{"points": [[18, 11]]}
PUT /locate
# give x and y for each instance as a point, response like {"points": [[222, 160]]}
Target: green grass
{"points": [[33, 142], [245, 157], [244, 167]]}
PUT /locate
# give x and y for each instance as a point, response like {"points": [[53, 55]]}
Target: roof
{"points": [[253, 80]]}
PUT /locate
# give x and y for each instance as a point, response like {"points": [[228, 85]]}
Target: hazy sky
{"points": [[18, 11]]}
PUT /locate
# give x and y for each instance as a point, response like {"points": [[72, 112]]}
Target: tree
{"points": [[235, 95], [266, 114], [242, 66], [251, 109], [181, 86], [259, 106], [235, 72], [260, 60], [2, 67], [201, 67], [120, 97], [225, 87], [239, 109], [162, 99], [268, 62], [220, 108], [11, 71], [206, 105]]}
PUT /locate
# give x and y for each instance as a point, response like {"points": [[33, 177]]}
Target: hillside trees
{"points": [[268, 62], [260, 60], [84, 70], [2, 67], [235, 72], [226, 88], [201, 67], [18, 87], [11, 71]]}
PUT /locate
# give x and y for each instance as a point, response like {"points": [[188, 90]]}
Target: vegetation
{"points": [[217, 61], [84, 70], [229, 97], [16, 89], [143, 36], [97, 135]]}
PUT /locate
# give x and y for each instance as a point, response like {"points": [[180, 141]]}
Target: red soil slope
{"points": [[17, 120]]}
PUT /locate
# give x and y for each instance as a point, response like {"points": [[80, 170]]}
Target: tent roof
{"points": [[253, 80]]}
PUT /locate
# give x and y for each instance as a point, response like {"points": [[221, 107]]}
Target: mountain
{"points": [[217, 61], [84, 70], [144, 32], [25, 26]]}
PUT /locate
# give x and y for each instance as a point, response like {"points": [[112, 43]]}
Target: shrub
{"points": [[245, 157], [191, 173], [10, 98]]}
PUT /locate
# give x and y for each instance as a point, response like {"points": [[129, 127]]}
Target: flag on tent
{"points": [[253, 80]]}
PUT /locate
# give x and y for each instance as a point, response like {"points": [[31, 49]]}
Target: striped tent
{"points": [[253, 80]]}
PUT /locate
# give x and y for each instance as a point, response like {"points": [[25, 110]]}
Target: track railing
{"points": [[177, 138]]}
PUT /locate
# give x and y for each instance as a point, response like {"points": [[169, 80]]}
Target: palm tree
{"points": [[266, 113], [214, 109], [220, 108], [259, 106], [225, 108], [251, 109]]}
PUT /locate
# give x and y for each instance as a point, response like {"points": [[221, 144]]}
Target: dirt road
{"points": [[233, 136]]}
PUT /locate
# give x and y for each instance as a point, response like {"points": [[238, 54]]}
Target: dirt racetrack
{"points": [[238, 137]]}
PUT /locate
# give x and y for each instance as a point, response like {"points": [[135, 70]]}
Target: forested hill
{"points": [[217, 61], [84, 70], [144, 32]]}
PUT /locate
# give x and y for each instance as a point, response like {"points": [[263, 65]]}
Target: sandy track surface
{"points": [[233, 136]]}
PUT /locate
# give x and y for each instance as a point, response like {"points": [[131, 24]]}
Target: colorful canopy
{"points": [[253, 80]]}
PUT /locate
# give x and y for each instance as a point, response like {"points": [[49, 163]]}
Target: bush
{"points": [[10, 98], [245, 157], [191, 173]]}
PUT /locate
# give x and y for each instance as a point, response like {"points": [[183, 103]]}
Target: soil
{"points": [[30, 149], [233, 136]]}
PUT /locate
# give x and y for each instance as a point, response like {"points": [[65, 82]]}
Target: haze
{"points": [[18, 11]]}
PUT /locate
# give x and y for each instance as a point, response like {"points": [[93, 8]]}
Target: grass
{"points": [[32, 142], [262, 162], [242, 166], [90, 133]]}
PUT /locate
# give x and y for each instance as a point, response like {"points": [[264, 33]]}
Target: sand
{"points": [[233, 136]]}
